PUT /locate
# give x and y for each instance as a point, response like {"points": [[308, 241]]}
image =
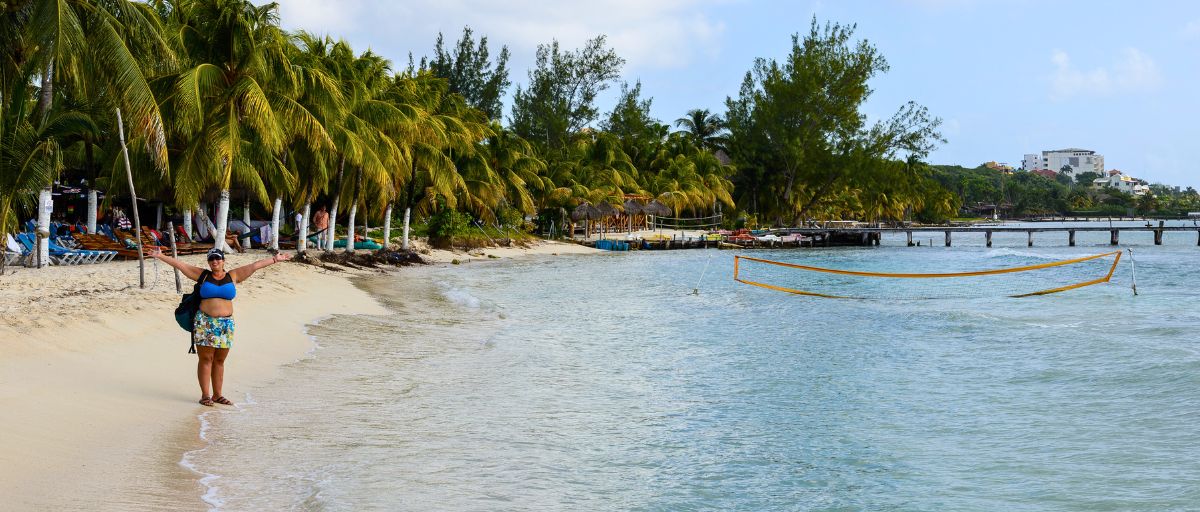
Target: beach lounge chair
{"points": [[58, 256], [14, 253], [99, 242]]}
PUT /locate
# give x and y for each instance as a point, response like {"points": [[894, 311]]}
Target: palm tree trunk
{"points": [[337, 197], [275, 223], [45, 206], [407, 214], [387, 226], [222, 224], [91, 213], [47, 98], [246, 217], [187, 224], [302, 231], [350, 229], [353, 210]]}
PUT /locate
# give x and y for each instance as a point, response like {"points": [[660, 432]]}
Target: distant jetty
{"points": [[856, 236]]}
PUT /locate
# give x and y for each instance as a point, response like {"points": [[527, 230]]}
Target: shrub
{"points": [[445, 225]]}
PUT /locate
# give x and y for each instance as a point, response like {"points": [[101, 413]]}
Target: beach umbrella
{"points": [[606, 210], [585, 211], [658, 209], [632, 207]]}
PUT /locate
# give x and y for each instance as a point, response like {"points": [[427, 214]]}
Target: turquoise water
{"points": [[601, 382]]}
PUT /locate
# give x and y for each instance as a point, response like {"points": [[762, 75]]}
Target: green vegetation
{"points": [[217, 97], [982, 190]]}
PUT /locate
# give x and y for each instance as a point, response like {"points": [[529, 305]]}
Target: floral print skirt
{"points": [[215, 332]]}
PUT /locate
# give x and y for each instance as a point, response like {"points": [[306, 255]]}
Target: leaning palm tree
{"points": [[71, 49]]}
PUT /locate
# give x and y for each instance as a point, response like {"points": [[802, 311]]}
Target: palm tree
{"points": [[232, 104], [72, 49], [706, 129]]}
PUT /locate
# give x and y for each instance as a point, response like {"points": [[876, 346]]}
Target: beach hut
{"points": [[658, 209], [606, 211], [632, 209], [585, 212]]}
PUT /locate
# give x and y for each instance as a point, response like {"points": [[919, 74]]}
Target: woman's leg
{"points": [[218, 371], [204, 369]]}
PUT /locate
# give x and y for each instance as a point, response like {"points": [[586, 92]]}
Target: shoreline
{"points": [[100, 404]]}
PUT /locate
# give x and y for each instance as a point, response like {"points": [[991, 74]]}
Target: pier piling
{"points": [[1158, 234], [947, 239], [910, 242], [1114, 237], [987, 235], [1030, 236], [1071, 238]]}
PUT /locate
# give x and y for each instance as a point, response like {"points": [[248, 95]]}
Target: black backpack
{"points": [[189, 304]]}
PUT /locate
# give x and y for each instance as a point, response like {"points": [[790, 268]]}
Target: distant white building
{"points": [[1079, 160], [1124, 183]]}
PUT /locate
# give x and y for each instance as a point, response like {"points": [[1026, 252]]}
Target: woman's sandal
{"points": [[222, 400], [206, 401]]}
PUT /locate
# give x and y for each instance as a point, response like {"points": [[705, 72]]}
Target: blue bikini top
{"points": [[219, 289]]}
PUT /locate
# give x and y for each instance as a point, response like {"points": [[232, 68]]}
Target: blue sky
{"points": [[1007, 77]]}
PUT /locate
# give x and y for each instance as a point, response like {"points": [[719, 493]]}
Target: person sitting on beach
{"points": [[213, 327]]}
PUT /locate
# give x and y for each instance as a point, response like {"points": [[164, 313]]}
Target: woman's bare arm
{"points": [[245, 271], [191, 271]]}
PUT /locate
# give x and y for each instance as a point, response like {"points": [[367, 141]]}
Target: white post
{"points": [[407, 212], [302, 230], [350, 229], [91, 214], [222, 220], [45, 206], [187, 224], [275, 223], [387, 226]]}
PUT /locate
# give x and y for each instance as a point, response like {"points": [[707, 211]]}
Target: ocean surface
{"points": [[652, 381]]}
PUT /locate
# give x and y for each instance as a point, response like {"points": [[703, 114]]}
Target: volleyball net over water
{"points": [[1017, 281]]}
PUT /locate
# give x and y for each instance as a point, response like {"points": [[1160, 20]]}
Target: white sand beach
{"points": [[100, 392]]}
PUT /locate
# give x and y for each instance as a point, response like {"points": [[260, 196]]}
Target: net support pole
{"points": [[1133, 271]]}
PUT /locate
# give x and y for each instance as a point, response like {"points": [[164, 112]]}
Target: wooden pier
{"points": [[827, 237], [987, 231]]}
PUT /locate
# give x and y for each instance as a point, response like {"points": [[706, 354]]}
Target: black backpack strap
{"points": [[203, 275]]}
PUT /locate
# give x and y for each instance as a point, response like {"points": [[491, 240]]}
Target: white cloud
{"points": [[1191, 30], [648, 34], [1132, 71]]}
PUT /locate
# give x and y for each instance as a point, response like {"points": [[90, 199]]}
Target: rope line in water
{"points": [[1104, 279]]}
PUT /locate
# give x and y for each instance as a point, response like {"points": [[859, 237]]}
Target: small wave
{"points": [[210, 496], [1004, 252], [461, 297]]}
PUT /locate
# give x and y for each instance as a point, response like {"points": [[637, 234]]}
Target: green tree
{"points": [[469, 72], [64, 62], [1086, 178], [560, 98], [797, 126], [705, 128]]}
